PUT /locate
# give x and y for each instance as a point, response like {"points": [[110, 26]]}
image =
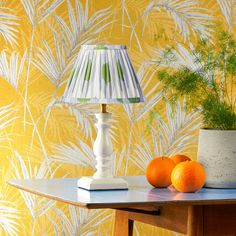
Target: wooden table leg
{"points": [[211, 220], [123, 225], [169, 217], [195, 221]]}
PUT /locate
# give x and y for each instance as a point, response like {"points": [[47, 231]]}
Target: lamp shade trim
{"points": [[103, 76], [102, 47], [105, 101]]}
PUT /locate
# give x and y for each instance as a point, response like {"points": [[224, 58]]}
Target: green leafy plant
{"points": [[206, 76]]}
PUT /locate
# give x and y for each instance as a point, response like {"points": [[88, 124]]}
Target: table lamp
{"points": [[103, 74]]}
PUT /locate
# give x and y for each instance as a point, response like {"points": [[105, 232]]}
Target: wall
{"points": [[41, 138]]}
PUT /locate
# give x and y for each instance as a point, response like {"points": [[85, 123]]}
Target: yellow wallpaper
{"points": [[41, 138]]}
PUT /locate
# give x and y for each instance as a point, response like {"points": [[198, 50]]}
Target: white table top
{"points": [[140, 194]]}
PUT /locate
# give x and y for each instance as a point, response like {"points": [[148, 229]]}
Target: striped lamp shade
{"points": [[103, 74]]}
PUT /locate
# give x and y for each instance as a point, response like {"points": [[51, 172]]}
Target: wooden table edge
{"points": [[121, 205], [84, 205]]}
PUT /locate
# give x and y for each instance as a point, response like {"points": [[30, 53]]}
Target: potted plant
{"points": [[208, 80]]}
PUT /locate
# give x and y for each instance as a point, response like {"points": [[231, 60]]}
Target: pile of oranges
{"points": [[184, 174]]}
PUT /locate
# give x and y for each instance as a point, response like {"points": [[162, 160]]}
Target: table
{"points": [[208, 212]]}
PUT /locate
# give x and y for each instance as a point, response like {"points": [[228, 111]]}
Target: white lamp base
{"points": [[103, 178], [90, 183]]}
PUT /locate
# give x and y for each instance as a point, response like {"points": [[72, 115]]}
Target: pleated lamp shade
{"points": [[103, 74]]}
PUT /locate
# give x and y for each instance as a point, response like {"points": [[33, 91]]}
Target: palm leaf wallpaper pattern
{"points": [[41, 137]]}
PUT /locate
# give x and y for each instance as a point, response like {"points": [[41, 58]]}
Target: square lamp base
{"points": [[89, 183]]}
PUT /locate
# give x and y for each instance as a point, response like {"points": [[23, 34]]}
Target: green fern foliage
{"points": [[218, 114], [209, 84]]}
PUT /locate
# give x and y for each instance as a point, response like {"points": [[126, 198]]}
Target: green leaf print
{"points": [[120, 71], [88, 70], [106, 73]]}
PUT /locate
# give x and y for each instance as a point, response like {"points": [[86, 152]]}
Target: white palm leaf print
{"points": [[182, 57], [8, 23], [76, 154], [55, 62], [37, 10], [85, 118], [117, 161], [152, 96], [136, 112], [50, 64], [83, 114], [131, 25], [81, 28], [170, 137], [8, 218], [81, 221], [188, 16], [11, 68], [36, 205], [228, 9], [7, 116], [81, 154], [176, 58]]}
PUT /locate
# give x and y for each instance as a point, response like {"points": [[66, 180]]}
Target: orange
{"points": [[158, 172], [188, 176], [179, 158]]}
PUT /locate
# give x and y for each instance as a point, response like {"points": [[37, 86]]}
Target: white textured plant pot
{"points": [[217, 154]]}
